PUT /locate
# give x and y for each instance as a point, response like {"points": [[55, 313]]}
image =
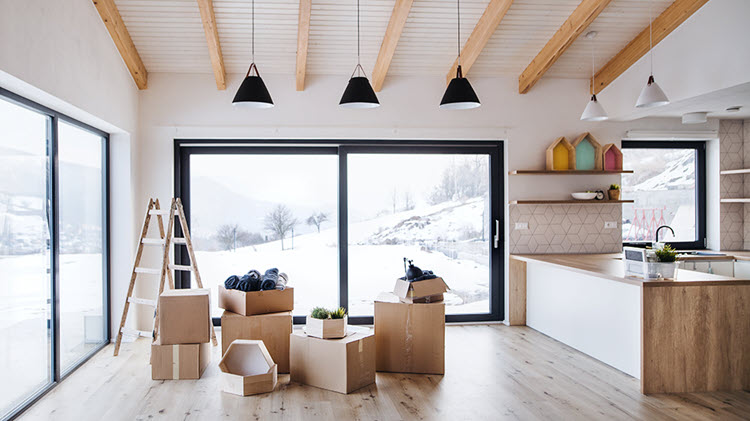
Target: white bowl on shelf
{"points": [[584, 196]]}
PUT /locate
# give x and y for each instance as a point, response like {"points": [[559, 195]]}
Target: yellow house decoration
{"points": [[561, 155]]}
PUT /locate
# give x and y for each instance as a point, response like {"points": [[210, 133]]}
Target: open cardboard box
{"points": [[185, 316], [256, 302], [248, 369], [326, 328], [179, 362], [427, 291], [273, 329]]}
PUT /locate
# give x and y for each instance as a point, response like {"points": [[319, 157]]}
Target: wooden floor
{"points": [[492, 372]]}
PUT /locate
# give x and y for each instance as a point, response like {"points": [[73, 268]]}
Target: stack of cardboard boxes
{"points": [[410, 328], [182, 349], [258, 315]]}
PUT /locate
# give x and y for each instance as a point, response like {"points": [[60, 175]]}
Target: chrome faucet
{"points": [[663, 226]]}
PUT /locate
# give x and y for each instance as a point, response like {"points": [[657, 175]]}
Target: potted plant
{"points": [[666, 263], [326, 324], [614, 192]]}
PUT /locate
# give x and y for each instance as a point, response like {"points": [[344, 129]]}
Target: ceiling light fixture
{"points": [[594, 110], [253, 92], [695, 118], [459, 95], [651, 95], [359, 92]]}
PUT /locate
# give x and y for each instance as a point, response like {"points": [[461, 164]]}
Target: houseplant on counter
{"points": [[614, 192], [326, 324], [666, 263]]}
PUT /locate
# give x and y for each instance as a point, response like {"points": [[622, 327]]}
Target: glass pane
{"points": [[663, 187], [24, 255], [432, 209], [232, 200], [82, 320]]}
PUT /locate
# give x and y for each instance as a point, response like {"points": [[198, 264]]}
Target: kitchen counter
{"points": [[610, 266]]}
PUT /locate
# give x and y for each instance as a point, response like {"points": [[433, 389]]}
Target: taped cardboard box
{"points": [[341, 365], [410, 338], [179, 362], [256, 302], [248, 369], [185, 316], [273, 329], [427, 291]]}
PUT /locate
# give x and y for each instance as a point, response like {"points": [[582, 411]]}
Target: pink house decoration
{"points": [[612, 157]]}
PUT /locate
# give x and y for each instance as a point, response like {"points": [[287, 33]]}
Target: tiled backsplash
{"points": [[565, 229], [733, 229]]}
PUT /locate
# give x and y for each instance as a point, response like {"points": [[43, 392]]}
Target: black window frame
{"points": [[184, 148], [700, 186], [58, 373]]}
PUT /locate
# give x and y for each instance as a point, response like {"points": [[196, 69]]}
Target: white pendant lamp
{"points": [[359, 92], [651, 95], [459, 95], [594, 110], [253, 92]]}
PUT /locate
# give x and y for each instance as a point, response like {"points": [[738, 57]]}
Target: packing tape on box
{"points": [[408, 338], [175, 362]]}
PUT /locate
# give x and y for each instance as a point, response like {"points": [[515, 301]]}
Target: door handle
{"points": [[497, 233]]}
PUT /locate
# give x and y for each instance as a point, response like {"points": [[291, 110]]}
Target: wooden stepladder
{"points": [[165, 240]]}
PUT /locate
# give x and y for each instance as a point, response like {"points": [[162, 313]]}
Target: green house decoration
{"points": [[561, 155], [612, 157], [588, 152]]}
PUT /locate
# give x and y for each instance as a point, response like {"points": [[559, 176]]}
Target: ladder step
{"points": [[181, 267], [153, 241], [144, 301], [158, 212], [148, 270], [135, 332], [179, 240]]}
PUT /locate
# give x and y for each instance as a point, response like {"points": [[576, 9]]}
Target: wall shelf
{"points": [[736, 200], [740, 171], [572, 201], [568, 172]]}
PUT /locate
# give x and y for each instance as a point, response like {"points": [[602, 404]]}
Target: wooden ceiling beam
{"points": [[486, 26], [390, 40], [303, 38], [119, 33], [663, 25], [577, 22], [214, 47]]}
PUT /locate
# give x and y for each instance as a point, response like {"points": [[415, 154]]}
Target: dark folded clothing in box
{"points": [[427, 274], [252, 281]]}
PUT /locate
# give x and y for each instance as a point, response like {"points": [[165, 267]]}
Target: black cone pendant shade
{"points": [[359, 93], [253, 92], [459, 95]]}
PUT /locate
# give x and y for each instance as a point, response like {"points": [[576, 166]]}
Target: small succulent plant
{"points": [[339, 313], [614, 187], [666, 254], [320, 313]]}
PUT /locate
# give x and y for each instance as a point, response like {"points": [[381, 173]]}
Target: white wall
{"points": [[59, 54]]}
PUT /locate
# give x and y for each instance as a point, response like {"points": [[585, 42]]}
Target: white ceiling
{"points": [[169, 35]]}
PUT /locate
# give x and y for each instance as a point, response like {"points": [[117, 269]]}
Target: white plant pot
{"points": [[662, 270]]}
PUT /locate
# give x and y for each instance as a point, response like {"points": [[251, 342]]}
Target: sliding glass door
{"points": [[349, 212], [53, 248]]}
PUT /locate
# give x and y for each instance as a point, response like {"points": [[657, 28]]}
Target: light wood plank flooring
{"points": [[492, 372]]}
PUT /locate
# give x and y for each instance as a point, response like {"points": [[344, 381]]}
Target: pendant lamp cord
{"points": [[458, 32], [650, 40], [593, 74], [359, 66], [252, 36]]}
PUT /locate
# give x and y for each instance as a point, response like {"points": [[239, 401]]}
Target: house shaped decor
{"points": [[248, 369], [612, 157], [588, 152], [561, 155]]}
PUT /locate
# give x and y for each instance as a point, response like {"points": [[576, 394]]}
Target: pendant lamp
{"points": [[651, 95], [594, 110], [459, 95], [359, 92], [253, 92]]}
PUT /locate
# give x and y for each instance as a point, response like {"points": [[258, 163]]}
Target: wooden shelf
{"points": [[737, 200], [568, 172], [740, 171], [571, 201]]}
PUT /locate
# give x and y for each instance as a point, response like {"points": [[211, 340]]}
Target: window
{"points": [[356, 210], [668, 186], [53, 248]]}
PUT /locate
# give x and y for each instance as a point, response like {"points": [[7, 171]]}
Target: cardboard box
{"points": [[341, 365], [427, 291], [178, 362], [248, 369], [326, 328], [410, 338], [256, 302], [185, 316], [273, 329]]}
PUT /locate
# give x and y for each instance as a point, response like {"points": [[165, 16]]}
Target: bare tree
{"points": [[394, 199], [226, 236], [408, 201], [281, 222], [317, 219]]}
